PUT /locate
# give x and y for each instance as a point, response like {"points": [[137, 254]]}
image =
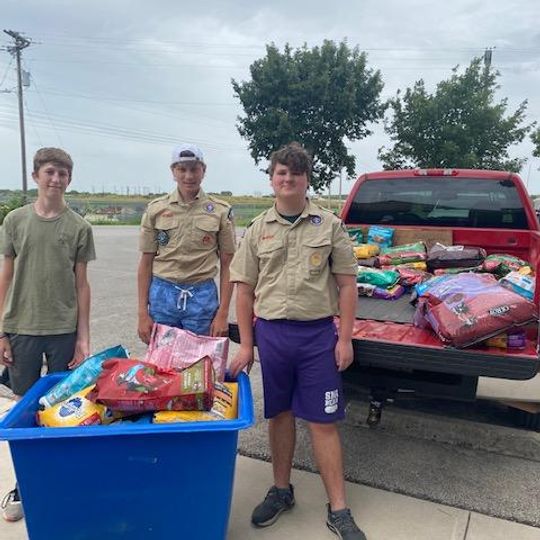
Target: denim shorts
{"points": [[188, 306]]}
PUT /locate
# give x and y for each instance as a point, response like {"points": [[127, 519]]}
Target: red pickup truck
{"points": [[480, 208], [488, 209]]}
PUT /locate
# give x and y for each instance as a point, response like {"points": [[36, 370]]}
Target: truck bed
{"points": [[375, 309]]}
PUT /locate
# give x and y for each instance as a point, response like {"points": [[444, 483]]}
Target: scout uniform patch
{"points": [[209, 208], [162, 238], [316, 220]]}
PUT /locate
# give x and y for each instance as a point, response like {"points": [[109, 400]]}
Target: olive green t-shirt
{"points": [[42, 298]]}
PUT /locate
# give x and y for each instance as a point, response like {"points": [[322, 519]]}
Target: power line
{"points": [[47, 111]]}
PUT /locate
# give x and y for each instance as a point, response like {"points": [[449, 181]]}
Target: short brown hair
{"points": [[52, 155], [295, 156]]}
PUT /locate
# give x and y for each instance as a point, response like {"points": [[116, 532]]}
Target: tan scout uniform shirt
{"points": [[187, 238], [292, 266]]}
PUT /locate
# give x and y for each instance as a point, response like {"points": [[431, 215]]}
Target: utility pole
{"points": [[20, 43], [488, 53]]}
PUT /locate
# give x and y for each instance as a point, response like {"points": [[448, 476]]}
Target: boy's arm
{"points": [[220, 324], [5, 281], [144, 277], [82, 343], [244, 315], [348, 296]]}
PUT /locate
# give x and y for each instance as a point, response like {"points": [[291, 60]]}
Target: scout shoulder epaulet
{"points": [[215, 200], [159, 199], [258, 218]]}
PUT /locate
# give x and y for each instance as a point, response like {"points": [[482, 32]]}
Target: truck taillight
{"points": [[435, 172]]}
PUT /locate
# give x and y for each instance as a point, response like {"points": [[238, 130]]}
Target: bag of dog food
{"points": [[406, 253], [468, 308], [225, 407], [366, 251], [519, 283], [83, 375], [501, 264], [75, 411], [135, 386], [441, 256], [374, 276], [356, 235], [177, 349]]}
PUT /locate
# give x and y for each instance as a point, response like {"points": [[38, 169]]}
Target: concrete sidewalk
{"points": [[382, 515]]}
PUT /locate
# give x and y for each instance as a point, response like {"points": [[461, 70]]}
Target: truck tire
{"points": [[525, 419]]}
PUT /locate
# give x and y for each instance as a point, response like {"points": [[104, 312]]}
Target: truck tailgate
{"points": [[404, 347]]}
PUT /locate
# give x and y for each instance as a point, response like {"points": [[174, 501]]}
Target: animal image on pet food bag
{"points": [[135, 386], [469, 308], [77, 410]]}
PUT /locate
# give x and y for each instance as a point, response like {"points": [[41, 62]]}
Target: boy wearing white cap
{"points": [[185, 236]]}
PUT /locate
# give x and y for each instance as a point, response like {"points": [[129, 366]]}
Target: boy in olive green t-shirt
{"points": [[44, 290]]}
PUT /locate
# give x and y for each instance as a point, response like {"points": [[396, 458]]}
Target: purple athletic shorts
{"points": [[299, 369]]}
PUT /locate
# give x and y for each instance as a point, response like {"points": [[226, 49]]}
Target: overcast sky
{"points": [[117, 83]]}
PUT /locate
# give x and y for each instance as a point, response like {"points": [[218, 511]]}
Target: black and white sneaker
{"points": [[275, 503]]}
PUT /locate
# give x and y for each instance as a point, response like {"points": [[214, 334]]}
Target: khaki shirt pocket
{"points": [[204, 233], [166, 232], [271, 257], [315, 254]]}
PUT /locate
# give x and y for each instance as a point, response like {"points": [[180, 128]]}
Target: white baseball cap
{"points": [[178, 150]]}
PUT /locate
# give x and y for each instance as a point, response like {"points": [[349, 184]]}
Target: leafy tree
{"points": [[6, 207], [459, 125], [317, 96], [535, 137]]}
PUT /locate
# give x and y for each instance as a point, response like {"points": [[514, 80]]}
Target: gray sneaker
{"points": [[275, 502], [12, 509], [342, 524]]}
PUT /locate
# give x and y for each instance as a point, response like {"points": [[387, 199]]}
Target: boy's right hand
{"points": [[145, 328], [243, 358], [6, 357]]}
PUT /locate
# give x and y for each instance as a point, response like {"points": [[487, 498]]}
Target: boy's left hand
{"points": [[220, 325], [82, 351], [344, 354]]}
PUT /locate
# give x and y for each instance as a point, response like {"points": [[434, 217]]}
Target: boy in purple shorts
{"points": [[294, 268]]}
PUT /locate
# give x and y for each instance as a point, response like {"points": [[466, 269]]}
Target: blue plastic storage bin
{"points": [[136, 481]]}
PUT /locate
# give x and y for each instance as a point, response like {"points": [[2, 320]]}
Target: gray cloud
{"points": [[118, 83]]}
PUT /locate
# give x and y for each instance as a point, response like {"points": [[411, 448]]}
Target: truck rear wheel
{"points": [[525, 419]]}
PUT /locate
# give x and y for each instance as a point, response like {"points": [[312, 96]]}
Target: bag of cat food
{"points": [[382, 236], [135, 386]]}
